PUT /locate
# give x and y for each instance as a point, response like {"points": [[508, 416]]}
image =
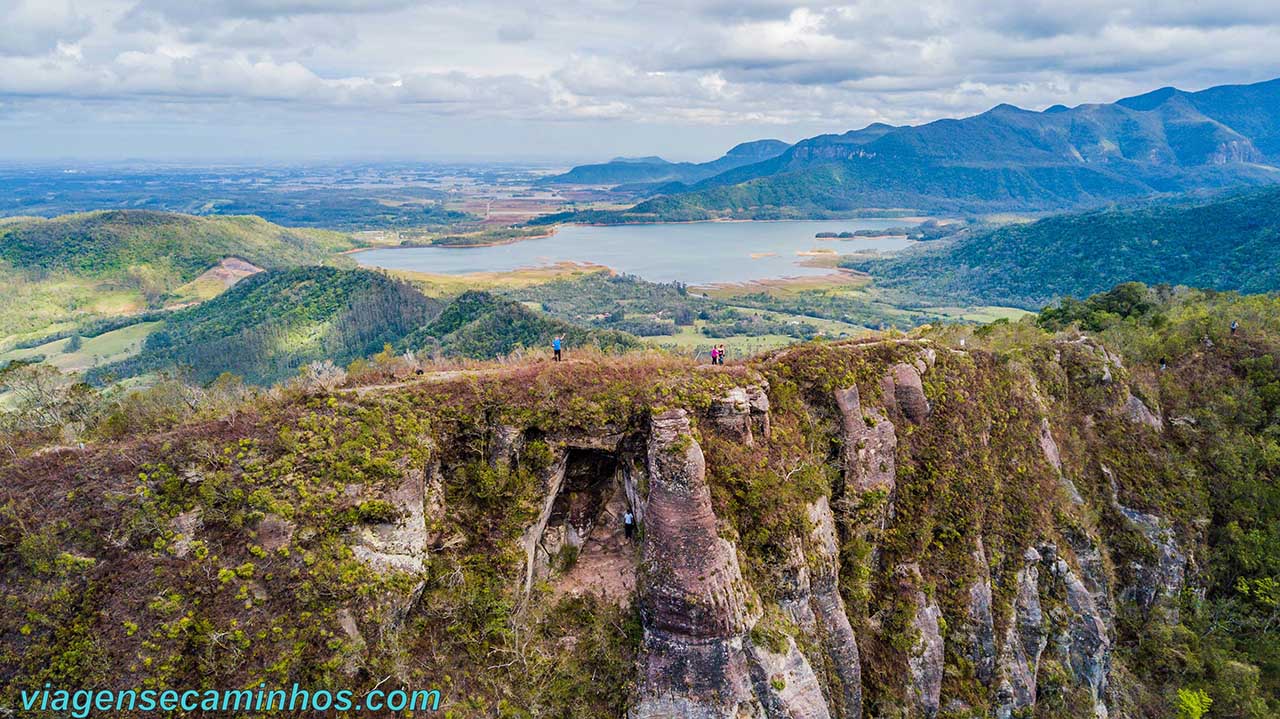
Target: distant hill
{"points": [[271, 324], [1007, 158], [655, 170], [79, 267], [1226, 243], [179, 247]]}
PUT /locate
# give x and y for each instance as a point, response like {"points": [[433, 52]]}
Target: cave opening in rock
{"points": [[589, 481], [584, 545]]}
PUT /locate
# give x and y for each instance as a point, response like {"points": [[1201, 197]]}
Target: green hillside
{"points": [[269, 325], [72, 269], [481, 326], [1227, 243], [173, 246]]}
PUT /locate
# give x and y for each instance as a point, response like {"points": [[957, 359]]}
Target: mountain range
{"points": [[655, 171], [1007, 158]]}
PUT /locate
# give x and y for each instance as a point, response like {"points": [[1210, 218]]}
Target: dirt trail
{"points": [[436, 376]]}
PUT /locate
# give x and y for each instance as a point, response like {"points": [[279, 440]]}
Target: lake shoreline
{"points": [[701, 252], [554, 229]]}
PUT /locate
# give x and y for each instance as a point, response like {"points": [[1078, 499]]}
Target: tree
{"points": [[1192, 703], [73, 344]]}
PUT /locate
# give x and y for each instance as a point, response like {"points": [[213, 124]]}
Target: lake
{"points": [[695, 253]]}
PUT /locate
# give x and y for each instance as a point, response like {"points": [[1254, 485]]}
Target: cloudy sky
{"points": [[569, 80]]}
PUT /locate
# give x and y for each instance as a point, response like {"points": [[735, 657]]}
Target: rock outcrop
{"points": [[697, 657], [831, 618], [1024, 642], [925, 660], [1087, 646], [1153, 584], [980, 626], [694, 604], [868, 443], [786, 684], [1137, 412], [397, 545], [742, 413], [904, 391]]}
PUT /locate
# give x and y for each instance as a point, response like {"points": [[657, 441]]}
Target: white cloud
{"points": [[618, 64], [36, 27]]}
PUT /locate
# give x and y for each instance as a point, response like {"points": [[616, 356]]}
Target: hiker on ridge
{"points": [[555, 346]]}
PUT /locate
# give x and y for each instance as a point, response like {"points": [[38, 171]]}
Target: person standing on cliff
{"points": [[715, 355], [720, 354], [629, 524], [555, 346]]}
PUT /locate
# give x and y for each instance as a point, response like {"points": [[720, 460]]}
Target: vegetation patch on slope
{"points": [[1226, 243]]}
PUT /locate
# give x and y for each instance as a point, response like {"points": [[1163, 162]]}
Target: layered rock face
{"points": [[943, 559], [1056, 614], [697, 660]]}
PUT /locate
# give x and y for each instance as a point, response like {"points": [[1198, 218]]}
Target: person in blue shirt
{"points": [[555, 346]]}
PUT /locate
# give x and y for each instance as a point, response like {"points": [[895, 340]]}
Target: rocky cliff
{"points": [[884, 528]]}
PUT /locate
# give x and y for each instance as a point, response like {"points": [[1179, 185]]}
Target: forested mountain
{"points": [[1006, 158], [638, 170], [1225, 243], [479, 325]]}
